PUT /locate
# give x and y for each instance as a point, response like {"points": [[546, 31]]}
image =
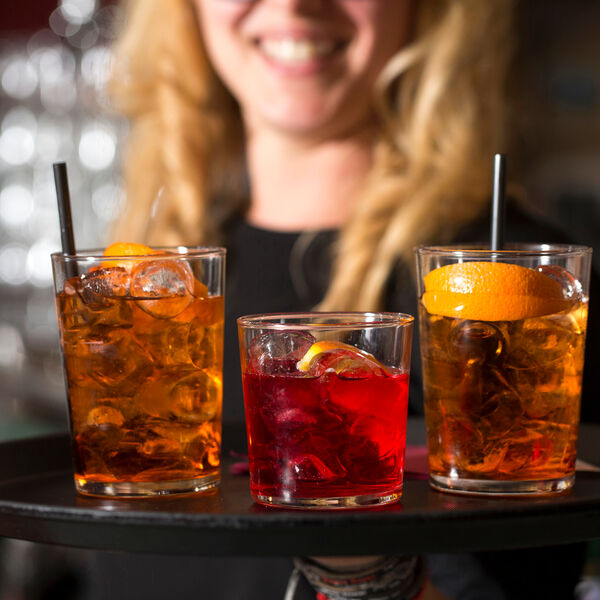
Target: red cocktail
{"points": [[326, 419]]}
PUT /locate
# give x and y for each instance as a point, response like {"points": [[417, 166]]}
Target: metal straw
{"points": [[63, 197], [498, 203]]}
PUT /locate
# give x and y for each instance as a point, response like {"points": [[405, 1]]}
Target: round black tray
{"points": [[38, 502]]}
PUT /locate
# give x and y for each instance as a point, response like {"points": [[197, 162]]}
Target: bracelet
{"points": [[399, 577]]}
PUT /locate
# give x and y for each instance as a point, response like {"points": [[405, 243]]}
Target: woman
{"points": [[319, 140]]}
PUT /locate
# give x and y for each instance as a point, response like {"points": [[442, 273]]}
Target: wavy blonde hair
{"points": [[440, 107]]}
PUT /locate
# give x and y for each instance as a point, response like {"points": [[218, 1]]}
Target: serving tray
{"points": [[38, 502]]}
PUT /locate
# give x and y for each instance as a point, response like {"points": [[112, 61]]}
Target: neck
{"points": [[298, 184]]}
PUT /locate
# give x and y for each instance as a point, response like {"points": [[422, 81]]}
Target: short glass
{"points": [[326, 398], [142, 342], [502, 339]]}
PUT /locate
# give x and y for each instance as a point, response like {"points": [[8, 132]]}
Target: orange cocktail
{"points": [[142, 340], [502, 346]]}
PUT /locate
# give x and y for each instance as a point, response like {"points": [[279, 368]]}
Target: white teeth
{"points": [[291, 50]]}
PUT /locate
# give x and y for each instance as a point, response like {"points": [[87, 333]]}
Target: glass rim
{"points": [[323, 320], [510, 250], [172, 252]]}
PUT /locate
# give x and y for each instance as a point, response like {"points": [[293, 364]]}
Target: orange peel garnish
{"points": [[491, 291], [326, 346], [126, 249]]}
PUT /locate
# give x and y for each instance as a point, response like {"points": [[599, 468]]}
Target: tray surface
{"points": [[38, 502]]}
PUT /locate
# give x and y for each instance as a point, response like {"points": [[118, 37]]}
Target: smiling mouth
{"points": [[297, 51]]}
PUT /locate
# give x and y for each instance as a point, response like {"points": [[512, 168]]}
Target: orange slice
{"points": [[319, 348], [491, 291], [125, 249]]}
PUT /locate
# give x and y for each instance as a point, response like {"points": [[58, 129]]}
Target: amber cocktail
{"points": [[326, 399], [502, 346], [142, 341]]}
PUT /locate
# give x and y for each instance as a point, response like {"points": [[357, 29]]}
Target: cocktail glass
{"points": [[326, 401], [502, 344], [142, 342]]}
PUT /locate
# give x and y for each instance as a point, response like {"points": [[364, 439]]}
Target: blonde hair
{"points": [[440, 106]]}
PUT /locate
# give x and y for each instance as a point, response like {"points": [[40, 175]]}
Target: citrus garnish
{"points": [[319, 347], [342, 358], [491, 291], [125, 249]]}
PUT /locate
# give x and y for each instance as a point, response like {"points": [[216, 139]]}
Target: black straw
{"points": [[498, 203], [64, 214]]}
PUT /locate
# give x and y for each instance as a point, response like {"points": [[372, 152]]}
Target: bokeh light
{"points": [[108, 201], [16, 205], [12, 350], [97, 146], [13, 264], [19, 77], [39, 266]]}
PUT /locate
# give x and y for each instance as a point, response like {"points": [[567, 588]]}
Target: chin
{"points": [[308, 119]]}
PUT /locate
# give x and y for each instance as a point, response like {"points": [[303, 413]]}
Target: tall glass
{"points": [[502, 345], [142, 342], [326, 400]]}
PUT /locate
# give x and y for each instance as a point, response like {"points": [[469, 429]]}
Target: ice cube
{"points": [[289, 414], [104, 283], [477, 341], [277, 352], [103, 416], [435, 331], [131, 454], [204, 449], [572, 288], [93, 445], [529, 450], [499, 414], [166, 341], [365, 461], [197, 397], [97, 298], [162, 288], [113, 360], [161, 447], [563, 438], [310, 467], [205, 344]]}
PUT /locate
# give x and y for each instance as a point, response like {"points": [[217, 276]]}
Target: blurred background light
{"points": [[19, 77], [17, 145], [39, 266], [78, 11], [13, 264], [95, 66], [12, 350], [97, 146], [16, 205], [108, 201]]}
